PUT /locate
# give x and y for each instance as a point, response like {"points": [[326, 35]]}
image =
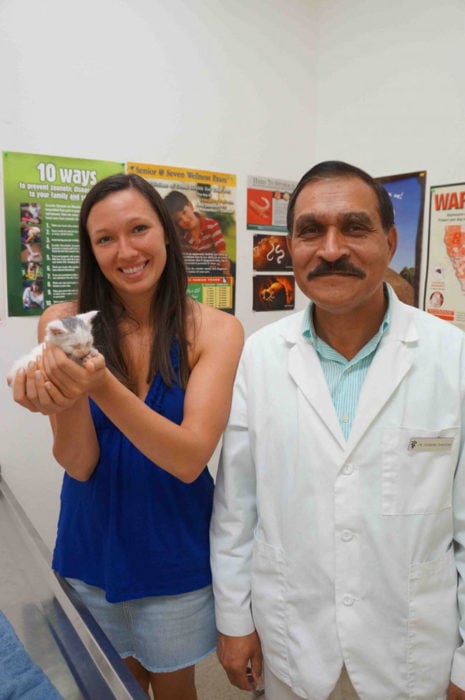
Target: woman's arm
{"points": [[183, 450], [75, 444]]}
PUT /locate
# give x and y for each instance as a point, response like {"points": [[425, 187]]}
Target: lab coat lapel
{"points": [[392, 361], [305, 369]]}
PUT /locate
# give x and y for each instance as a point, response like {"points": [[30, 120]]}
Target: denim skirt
{"points": [[164, 633]]}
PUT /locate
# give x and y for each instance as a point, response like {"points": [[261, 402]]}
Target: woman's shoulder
{"points": [[215, 320], [213, 330]]}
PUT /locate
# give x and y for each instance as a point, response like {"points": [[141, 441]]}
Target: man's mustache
{"points": [[341, 267]]}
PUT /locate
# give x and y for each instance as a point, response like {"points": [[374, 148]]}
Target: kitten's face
{"points": [[73, 335]]}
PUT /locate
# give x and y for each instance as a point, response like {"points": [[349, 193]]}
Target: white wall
{"points": [[214, 85], [390, 87], [260, 87]]}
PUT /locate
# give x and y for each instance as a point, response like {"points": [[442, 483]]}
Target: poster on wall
{"points": [[445, 267], [407, 193], [267, 201], [43, 195], [202, 206], [273, 293], [3, 311]]}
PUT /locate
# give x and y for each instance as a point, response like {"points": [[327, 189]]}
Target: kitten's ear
{"points": [[88, 316], [55, 328]]}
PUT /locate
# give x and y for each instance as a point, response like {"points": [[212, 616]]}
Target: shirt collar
{"points": [[308, 328]]}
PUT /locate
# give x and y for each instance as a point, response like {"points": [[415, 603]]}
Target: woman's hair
{"points": [[169, 302]]}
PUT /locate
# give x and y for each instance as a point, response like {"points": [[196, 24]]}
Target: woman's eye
{"points": [[103, 239], [140, 228]]}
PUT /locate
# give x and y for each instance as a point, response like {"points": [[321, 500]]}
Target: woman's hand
{"points": [[54, 383]]}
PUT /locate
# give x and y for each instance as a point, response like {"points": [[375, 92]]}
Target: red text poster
{"points": [[445, 272]]}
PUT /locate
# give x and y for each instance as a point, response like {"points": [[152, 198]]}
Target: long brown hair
{"points": [[169, 303]]}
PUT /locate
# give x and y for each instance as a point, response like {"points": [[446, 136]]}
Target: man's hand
{"points": [[241, 658], [455, 693]]}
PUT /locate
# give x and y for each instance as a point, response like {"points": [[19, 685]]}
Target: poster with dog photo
{"points": [[202, 205]]}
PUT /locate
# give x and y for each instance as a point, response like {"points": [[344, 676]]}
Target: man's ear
{"points": [[392, 241], [289, 243]]}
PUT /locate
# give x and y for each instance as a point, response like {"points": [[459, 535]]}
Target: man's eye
{"points": [[356, 228], [309, 232]]}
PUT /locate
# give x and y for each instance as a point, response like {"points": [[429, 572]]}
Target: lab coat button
{"points": [[347, 469], [347, 535], [348, 599]]}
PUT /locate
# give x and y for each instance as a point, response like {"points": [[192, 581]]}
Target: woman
{"points": [[134, 429]]}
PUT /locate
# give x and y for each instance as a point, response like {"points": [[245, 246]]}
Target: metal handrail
{"points": [[56, 629]]}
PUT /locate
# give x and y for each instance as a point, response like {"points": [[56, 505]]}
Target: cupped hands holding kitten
{"points": [[52, 382]]}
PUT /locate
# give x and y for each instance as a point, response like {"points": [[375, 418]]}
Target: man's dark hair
{"points": [[336, 168]]}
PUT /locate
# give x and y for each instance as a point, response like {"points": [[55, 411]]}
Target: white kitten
{"points": [[72, 334]]}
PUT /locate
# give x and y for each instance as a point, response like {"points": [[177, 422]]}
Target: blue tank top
{"points": [[133, 529]]}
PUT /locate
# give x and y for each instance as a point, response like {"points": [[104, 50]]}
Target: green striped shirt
{"points": [[344, 377]]}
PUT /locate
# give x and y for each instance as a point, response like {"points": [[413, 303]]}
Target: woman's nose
{"points": [[125, 248]]}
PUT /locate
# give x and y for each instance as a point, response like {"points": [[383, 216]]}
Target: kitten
{"points": [[72, 334]]}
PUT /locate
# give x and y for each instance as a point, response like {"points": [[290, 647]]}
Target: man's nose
{"points": [[333, 245]]}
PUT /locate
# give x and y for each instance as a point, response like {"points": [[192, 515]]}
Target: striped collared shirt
{"points": [[344, 377], [211, 237]]}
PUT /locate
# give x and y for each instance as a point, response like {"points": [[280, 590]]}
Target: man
{"points": [[338, 530]]}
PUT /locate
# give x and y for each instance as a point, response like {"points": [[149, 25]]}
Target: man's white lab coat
{"points": [[347, 552]]}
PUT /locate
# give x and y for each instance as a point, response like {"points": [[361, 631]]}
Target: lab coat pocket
{"points": [[269, 604], [433, 632], [418, 470]]}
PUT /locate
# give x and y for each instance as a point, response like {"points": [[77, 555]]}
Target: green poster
{"points": [[43, 195]]}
